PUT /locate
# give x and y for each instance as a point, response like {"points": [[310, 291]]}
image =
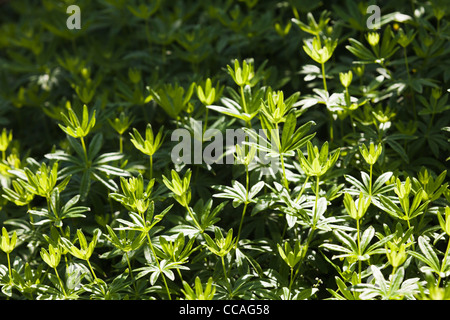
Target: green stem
{"points": [[286, 184], [3, 155], [290, 283], [431, 122], [193, 218], [179, 273], [60, 282], [84, 150], [92, 270], [9, 269], [394, 270], [240, 224], [151, 168], [295, 11], [131, 272], [303, 188], [323, 77], [444, 262], [359, 249], [206, 121], [317, 193], [245, 205], [244, 103], [225, 275], [121, 143], [412, 235], [55, 212], [159, 266], [247, 181]]}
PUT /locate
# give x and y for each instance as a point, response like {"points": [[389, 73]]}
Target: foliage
{"points": [[339, 189]]}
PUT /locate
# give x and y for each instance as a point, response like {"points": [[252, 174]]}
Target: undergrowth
{"points": [[338, 190]]}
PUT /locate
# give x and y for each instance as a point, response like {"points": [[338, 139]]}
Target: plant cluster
{"points": [[93, 205]]}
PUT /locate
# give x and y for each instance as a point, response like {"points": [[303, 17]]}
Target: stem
{"points": [[323, 77], [225, 275], [84, 149], [9, 269], [193, 218], [179, 273], [240, 225], [444, 262], [412, 235], [246, 181], [60, 282], [303, 188], [431, 121], [245, 205], [92, 270], [55, 212], [121, 143], [317, 194], [290, 283], [131, 273], [286, 184], [331, 126], [359, 249], [206, 121], [151, 168], [394, 270], [294, 10], [244, 103], [159, 267], [3, 155]]}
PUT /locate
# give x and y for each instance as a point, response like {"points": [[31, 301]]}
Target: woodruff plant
{"points": [[307, 163]]}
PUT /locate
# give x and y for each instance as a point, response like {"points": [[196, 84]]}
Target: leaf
{"points": [[379, 279], [359, 50], [429, 257], [398, 148], [389, 206], [288, 129], [366, 237], [343, 289], [255, 189], [380, 182], [355, 183], [336, 247], [397, 280], [321, 208], [95, 145], [346, 240]]}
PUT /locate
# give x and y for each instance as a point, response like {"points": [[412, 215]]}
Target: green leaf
{"points": [[387, 205]]}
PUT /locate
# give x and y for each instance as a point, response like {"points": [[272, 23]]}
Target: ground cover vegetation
{"points": [[357, 120]]}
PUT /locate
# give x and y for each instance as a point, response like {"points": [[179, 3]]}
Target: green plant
{"points": [[338, 192], [150, 145]]}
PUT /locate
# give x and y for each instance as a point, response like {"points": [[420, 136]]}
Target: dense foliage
{"points": [[352, 202]]}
